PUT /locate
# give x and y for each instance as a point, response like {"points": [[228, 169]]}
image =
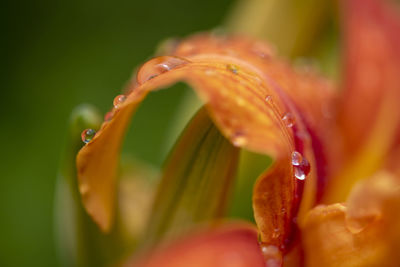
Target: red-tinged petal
{"points": [[362, 232], [230, 246], [302, 91], [252, 102], [305, 90], [369, 115]]}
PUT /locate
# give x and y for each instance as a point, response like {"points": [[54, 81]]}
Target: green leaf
{"points": [[197, 179], [79, 241]]}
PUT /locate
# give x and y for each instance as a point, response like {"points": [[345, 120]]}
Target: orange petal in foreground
{"points": [[363, 232], [251, 97], [232, 245]]}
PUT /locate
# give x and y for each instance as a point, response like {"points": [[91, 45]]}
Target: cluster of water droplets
{"points": [[301, 166], [149, 70], [272, 255], [157, 66]]}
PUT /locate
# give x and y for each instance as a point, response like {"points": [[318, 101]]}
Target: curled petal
{"points": [[232, 245], [254, 100], [362, 232]]}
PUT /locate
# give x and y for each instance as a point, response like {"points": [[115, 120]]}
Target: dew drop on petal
{"points": [[109, 115], [118, 100], [272, 255], [268, 98], [157, 66], [239, 139], [87, 135], [299, 174], [301, 166], [233, 68], [297, 158], [288, 119]]}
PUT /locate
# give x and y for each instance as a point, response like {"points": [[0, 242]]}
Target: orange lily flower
{"points": [[329, 198]]}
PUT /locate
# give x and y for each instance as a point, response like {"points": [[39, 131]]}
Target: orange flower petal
{"points": [[251, 98], [369, 117], [364, 232], [231, 245]]}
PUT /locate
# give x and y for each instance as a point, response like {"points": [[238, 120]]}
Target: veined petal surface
{"points": [[256, 100]]}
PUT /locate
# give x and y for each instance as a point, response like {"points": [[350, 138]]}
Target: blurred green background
{"points": [[56, 55]]}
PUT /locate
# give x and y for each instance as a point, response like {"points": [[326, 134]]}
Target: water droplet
{"points": [[157, 66], [299, 174], [118, 100], [269, 249], [301, 166], [232, 68], [268, 98], [297, 158], [87, 135], [109, 115], [272, 255], [239, 139], [288, 119]]}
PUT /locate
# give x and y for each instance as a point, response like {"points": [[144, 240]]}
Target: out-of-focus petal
{"points": [[300, 22], [231, 245], [362, 232], [369, 114], [254, 99], [196, 181]]}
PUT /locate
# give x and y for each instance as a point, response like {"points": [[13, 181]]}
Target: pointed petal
{"points": [[254, 99], [369, 116], [362, 232], [231, 245]]}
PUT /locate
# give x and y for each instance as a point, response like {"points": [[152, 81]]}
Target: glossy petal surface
{"points": [[254, 99]]}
